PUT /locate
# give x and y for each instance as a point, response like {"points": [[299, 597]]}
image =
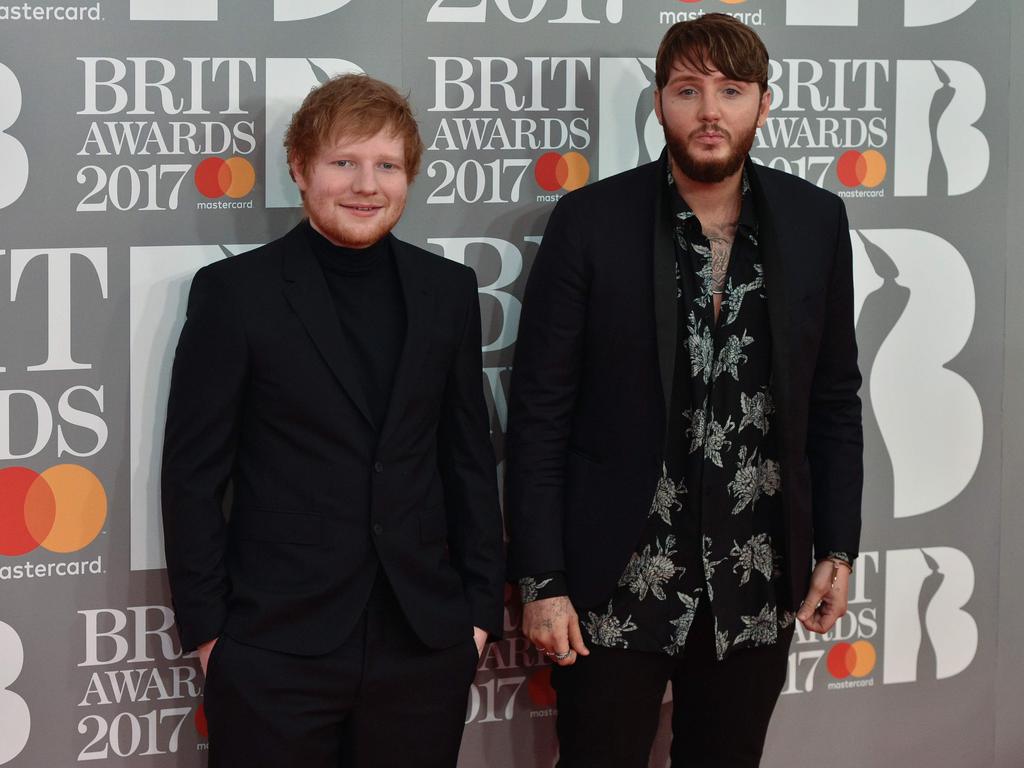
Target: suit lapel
{"points": [[777, 285], [307, 293], [666, 304], [420, 306]]}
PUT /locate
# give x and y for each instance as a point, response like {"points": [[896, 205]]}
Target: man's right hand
{"points": [[204, 652], [552, 625]]}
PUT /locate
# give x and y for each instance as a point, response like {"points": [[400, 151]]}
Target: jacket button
{"points": [[378, 528], [378, 467]]}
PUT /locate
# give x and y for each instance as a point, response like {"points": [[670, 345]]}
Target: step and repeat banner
{"points": [[141, 140]]}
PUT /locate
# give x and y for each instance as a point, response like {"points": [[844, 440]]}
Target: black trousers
{"points": [[382, 699], [609, 703]]}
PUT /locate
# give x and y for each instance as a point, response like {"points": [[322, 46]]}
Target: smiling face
{"points": [[354, 190], [709, 121]]}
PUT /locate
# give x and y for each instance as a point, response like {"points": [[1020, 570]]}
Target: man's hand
{"points": [[480, 638], [204, 652], [826, 599], [552, 625]]}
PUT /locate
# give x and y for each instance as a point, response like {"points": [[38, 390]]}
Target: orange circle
{"points": [[81, 505], [864, 658], [242, 177], [733, 2], [874, 168], [577, 171]]}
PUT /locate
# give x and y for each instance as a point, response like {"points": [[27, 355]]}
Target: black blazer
{"points": [[593, 376], [262, 395]]}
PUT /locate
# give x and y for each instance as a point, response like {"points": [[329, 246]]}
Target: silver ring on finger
{"points": [[561, 656]]}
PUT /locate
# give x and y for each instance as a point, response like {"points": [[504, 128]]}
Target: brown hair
{"points": [[714, 41], [356, 106]]}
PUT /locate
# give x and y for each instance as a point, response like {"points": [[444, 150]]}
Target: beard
{"points": [[351, 233], [710, 171]]}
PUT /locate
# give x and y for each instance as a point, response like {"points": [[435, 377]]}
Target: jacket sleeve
{"points": [[207, 381], [835, 439], [469, 476], [545, 381]]}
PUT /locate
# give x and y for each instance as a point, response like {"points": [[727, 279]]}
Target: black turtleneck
{"points": [[367, 294]]}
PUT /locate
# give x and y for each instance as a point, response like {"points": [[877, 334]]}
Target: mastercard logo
{"points": [[216, 177], [856, 659], [61, 509], [539, 688], [861, 168], [554, 171]]}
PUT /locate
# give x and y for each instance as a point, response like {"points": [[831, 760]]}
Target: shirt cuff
{"points": [[841, 557], [542, 586]]}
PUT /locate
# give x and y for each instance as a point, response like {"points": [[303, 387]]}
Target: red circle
{"points": [[547, 171], [201, 727], [18, 532], [208, 177], [851, 168], [841, 660], [540, 690]]}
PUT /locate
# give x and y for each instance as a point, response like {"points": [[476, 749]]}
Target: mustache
{"points": [[710, 128]]}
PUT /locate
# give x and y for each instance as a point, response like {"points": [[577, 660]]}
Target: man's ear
{"points": [[295, 171], [657, 107], [765, 107]]}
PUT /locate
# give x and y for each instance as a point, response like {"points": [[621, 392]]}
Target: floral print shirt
{"points": [[713, 531]]}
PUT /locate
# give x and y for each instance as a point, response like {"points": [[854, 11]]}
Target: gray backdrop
{"points": [[140, 139]]}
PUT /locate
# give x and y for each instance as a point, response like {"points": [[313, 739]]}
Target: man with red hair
{"points": [[334, 377]]}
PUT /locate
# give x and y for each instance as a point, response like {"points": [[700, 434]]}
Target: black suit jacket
{"points": [[262, 394], [593, 372]]}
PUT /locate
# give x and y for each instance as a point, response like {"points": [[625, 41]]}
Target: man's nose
{"points": [[709, 111], [365, 180]]}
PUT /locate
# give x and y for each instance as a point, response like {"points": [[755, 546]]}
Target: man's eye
{"points": [[687, 92], [342, 163], [732, 92], [388, 166]]}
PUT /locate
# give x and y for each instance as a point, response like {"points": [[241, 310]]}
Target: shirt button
{"points": [[378, 467], [378, 528]]}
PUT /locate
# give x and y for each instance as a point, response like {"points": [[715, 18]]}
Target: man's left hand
{"points": [[480, 638], [825, 601]]}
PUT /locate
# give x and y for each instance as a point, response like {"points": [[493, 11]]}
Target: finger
{"points": [[810, 603], [576, 637]]}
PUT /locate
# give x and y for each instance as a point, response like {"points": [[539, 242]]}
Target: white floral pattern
{"points": [[608, 630], [666, 497], [732, 356], [754, 478], [529, 587], [647, 572], [756, 410], [754, 555], [681, 625], [762, 629]]}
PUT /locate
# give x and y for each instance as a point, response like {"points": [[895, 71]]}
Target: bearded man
{"points": [[334, 376], [684, 426]]}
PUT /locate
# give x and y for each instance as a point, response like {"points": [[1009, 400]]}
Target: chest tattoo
{"points": [[720, 237]]}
